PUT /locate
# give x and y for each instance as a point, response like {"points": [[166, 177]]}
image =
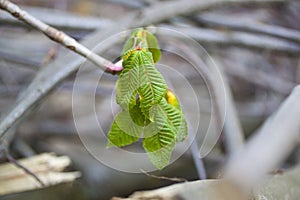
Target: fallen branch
{"points": [[278, 187], [58, 36], [269, 147], [46, 166]]}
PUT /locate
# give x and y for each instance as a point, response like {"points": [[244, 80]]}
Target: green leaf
{"points": [[124, 130], [159, 147], [152, 87], [140, 38], [153, 46], [168, 126], [164, 114], [137, 115], [136, 39], [128, 82], [140, 77], [182, 131]]}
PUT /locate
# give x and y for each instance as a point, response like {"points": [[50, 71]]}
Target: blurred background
{"points": [[256, 45]]}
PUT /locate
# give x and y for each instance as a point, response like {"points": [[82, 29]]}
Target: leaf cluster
{"points": [[150, 111]]}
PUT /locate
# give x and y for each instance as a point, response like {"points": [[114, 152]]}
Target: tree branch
{"points": [[237, 39], [249, 26], [263, 79], [59, 19], [270, 146], [58, 36]]}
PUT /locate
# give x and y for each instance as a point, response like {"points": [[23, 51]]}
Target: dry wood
{"points": [[278, 187], [46, 166]]}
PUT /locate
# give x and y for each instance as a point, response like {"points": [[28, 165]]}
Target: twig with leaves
{"points": [[53, 74]]}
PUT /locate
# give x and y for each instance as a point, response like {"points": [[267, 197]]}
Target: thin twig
{"points": [[19, 165], [197, 160], [58, 36], [179, 180]]}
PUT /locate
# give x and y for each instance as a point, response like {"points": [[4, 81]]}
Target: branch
{"points": [[27, 171], [234, 136], [263, 79], [270, 146], [237, 39], [20, 166], [59, 19], [58, 36], [250, 26], [162, 11], [173, 179]]}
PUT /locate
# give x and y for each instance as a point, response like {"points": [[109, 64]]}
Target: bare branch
{"points": [[249, 26], [59, 19], [263, 79], [238, 39], [234, 136], [173, 179], [173, 8], [58, 36]]}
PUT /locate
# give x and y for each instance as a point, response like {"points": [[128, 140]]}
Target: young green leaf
{"points": [[136, 39], [124, 131], [142, 39], [153, 46], [152, 87], [173, 102], [140, 77], [137, 115], [159, 147], [164, 114]]}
